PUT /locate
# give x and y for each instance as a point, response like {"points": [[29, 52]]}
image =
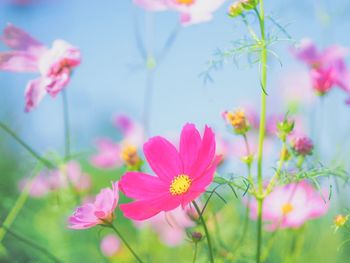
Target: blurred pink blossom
{"points": [[54, 64], [47, 181], [290, 206], [110, 154], [101, 211], [191, 11], [327, 67], [110, 245], [170, 226]]}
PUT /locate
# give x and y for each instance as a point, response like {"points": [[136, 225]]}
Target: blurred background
{"points": [[112, 79]]}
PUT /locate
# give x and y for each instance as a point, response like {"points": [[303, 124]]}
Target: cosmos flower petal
{"points": [[163, 158]]}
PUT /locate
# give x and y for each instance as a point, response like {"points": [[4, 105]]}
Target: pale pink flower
{"points": [[62, 178], [290, 206], [38, 186], [114, 154], [110, 245], [170, 226], [54, 64], [101, 211], [327, 67], [191, 11], [108, 155]]}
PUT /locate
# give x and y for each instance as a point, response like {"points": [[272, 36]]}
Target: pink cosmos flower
{"points": [[181, 176], [110, 245], [290, 206], [170, 226], [54, 64], [114, 154], [328, 68], [38, 186], [48, 181], [99, 212], [191, 11]]}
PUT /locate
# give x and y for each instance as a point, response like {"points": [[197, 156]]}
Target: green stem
{"points": [[211, 256], [260, 198], [276, 177], [125, 243], [10, 132], [66, 126], [32, 244], [22, 198], [195, 252], [259, 234]]}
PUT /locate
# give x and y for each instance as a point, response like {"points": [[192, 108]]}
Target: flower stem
{"points": [[22, 198], [260, 198], [66, 126], [195, 252], [10, 132], [32, 244], [125, 242], [211, 256]]}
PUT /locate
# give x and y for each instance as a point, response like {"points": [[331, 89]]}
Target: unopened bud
{"points": [[196, 236], [302, 146]]}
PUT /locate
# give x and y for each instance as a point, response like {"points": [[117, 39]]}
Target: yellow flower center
{"points": [[180, 184], [287, 208], [129, 155], [185, 2]]}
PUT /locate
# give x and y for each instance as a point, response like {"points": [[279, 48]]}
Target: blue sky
{"points": [[107, 81]]}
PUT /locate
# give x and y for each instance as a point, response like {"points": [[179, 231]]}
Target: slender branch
{"points": [[125, 242], [20, 202], [260, 198], [211, 256], [195, 252], [32, 244], [10, 132], [66, 125]]}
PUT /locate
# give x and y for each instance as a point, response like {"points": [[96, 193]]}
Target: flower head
{"points": [[327, 67], [99, 212], [181, 176], [54, 64], [302, 145], [238, 120], [340, 220], [290, 206]]}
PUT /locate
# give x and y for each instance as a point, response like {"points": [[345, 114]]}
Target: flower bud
{"points": [[302, 146], [130, 156], [285, 154], [340, 220], [238, 120], [285, 127], [196, 236], [240, 6]]}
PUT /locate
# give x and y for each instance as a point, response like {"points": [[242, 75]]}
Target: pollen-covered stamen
{"points": [[185, 2], [180, 184], [287, 208]]}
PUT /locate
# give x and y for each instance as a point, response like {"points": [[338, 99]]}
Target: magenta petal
{"points": [[190, 143], [140, 185], [144, 209], [163, 158], [34, 93], [206, 153]]}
